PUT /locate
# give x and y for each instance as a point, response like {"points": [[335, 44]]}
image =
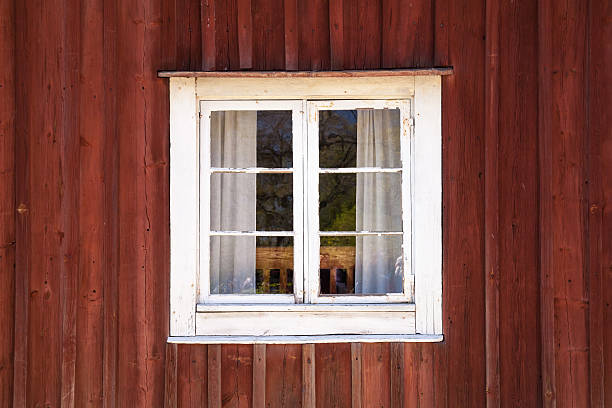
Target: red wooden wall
{"points": [[527, 153]]}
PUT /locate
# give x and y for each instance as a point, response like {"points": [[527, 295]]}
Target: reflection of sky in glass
{"points": [[274, 138]]}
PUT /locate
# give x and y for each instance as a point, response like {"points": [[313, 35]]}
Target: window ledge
{"points": [[342, 338], [441, 71]]}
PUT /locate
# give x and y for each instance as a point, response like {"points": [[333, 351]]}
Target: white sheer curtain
{"points": [[378, 204], [232, 201]]}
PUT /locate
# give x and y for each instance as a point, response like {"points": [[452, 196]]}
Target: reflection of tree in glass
{"points": [[274, 136], [338, 138], [274, 210], [337, 205]]}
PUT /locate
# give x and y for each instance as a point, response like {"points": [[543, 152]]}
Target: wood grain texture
{"points": [[237, 375], [214, 376], [268, 43], [208, 23], [91, 260], [291, 34], [569, 209], [259, 375], [333, 375], [7, 200], [245, 34], [518, 219], [356, 375], [309, 376], [407, 34], [599, 174], [170, 395], [284, 375], [492, 244], [88, 303]]}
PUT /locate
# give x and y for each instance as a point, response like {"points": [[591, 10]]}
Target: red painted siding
{"points": [[527, 181]]}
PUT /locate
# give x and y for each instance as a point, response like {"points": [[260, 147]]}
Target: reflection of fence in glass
{"points": [[274, 270]]}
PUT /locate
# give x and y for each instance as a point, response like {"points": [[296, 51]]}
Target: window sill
{"points": [[344, 338]]}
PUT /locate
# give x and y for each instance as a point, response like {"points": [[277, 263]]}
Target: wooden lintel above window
{"points": [[308, 74]]}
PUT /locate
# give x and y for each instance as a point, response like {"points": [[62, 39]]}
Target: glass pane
{"points": [[359, 138], [274, 139], [250, 265], [360, 202], [251, 139], [361, 265], [249, 202], [337, 138], [274, 202]]}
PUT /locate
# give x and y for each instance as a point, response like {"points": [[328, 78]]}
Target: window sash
{"points": [[305, 184], [206, 108], [312, 284]]}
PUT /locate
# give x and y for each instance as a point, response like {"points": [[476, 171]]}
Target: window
{"points": [[305, 209]]}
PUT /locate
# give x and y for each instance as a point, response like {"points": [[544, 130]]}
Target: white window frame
{"points": [[197, 316]]}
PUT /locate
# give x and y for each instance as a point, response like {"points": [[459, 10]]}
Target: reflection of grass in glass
{"points": [[339, 241], [337, 202]]}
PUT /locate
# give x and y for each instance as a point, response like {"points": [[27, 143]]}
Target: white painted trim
{"points": [[427, 200], [303, 323], [305, 88], [187, 217], [253, 233], [258, 307], [251, 170], [359, 170], [183, 206], [347, 338]]}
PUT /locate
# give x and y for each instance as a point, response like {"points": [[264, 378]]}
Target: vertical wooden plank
{"points": [[209, 49], [336, 34], [245, 34], [313, 25], [155, 208], [492, 203], [547, 312], [183, 378], [309, 376], [214, 376], [356, 380], [259, 375], [458, 42], [407, 33], [92, 263], [396, 357], [188, 26], [333, 375], [518, 203], [170, 396], [143, 191], [284, 375], [7, 199], [569, 210], [376, 372], [198, 375], [599, 192], [237, 375], [291, 34], [111, 207], [363, 34], [226, 35], [268, 40], [42, 278]]}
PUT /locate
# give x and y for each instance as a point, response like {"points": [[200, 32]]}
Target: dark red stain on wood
{"points": [[84, 247]]}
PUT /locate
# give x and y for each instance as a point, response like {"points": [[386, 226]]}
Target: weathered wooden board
{"points": [[84, 139]]}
